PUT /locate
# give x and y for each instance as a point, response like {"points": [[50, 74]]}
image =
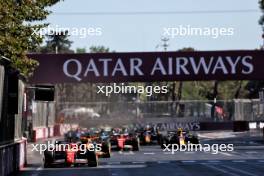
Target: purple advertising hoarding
{"points": [[149, 66]]}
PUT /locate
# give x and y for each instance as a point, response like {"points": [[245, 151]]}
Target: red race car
{"points": [[70, 154], [122, 141]]}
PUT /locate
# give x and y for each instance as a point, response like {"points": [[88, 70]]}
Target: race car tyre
{"points": [[158, 139], [106, 148], [161, 142], [165, 141], [195, 140], [92, 159], [76, 164], [46, 164], [67, 164], [48, 157], [136, 144]]}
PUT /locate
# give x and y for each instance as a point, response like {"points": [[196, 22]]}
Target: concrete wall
{"points": [[12, 157], [12, 144]]}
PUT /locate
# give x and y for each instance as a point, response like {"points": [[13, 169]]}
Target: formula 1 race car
{"points": [[70, 154], [124, 140], [148, 136], [179, 137], [98, 138]]}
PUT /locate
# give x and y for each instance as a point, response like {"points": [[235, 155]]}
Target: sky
{"points": [[123, 30]]}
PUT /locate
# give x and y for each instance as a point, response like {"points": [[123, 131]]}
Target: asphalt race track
{"points": [[247, 159]]}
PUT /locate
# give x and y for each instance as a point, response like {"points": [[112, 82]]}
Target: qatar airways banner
{"points": [[149, 66]]}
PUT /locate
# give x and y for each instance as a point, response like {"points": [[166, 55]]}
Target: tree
{"points": [[261, 6], [18, 34], [57, 42], [86, 91], [176, 93], [179, 92], [99, 49], [80, 50], [253, 87]]}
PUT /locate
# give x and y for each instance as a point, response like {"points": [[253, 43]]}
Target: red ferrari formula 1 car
{"points": [[122, 141], [70, 154]]}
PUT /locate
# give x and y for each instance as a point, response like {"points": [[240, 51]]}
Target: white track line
{"points": [[138, 162], [38, 169], [251, 152], [128, 153], [149, 153], [122, 166], [188, 152], [239, 170], [163, 162], [167, 153], [221, 170], [213, 161], [225, 153], [113, 163], [188, 161], [238, 161]]}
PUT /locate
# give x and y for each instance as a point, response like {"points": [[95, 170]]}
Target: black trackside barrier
{"points": [[12, 156], [236, 126], [7, 118], [44, 93], [210, 126], [263, 132], [13, 92], [241, 126]]}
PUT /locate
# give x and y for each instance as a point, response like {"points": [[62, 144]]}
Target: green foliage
{"points": [[195, 90], [17, 34], [176, 93], [254, 87], [99, 49], [57, 42], [261, 6], [80, 50], [207, 90]]}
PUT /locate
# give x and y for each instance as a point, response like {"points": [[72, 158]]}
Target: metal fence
{"points": [[20, 118], [249, 110], [43, 113], [258, 109]]}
